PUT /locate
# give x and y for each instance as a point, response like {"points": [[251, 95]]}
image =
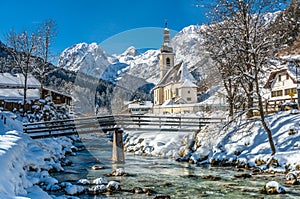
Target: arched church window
{"points": [[168, 61]]}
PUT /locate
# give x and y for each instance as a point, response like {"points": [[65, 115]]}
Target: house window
{"points": [[189, 92], [189, 99], [168, 61], [273, 94], [177, 91], [287, 76], [279, 77], [276, 93], [289, 91]]}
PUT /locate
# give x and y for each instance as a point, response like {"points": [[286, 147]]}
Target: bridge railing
{"points": [[111, 122]]}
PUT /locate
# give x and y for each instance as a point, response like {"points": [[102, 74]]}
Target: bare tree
{"points": [[246, 32], [46, 32], [24, 47], [219, 49]]}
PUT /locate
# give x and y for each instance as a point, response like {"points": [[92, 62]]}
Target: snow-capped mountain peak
{"points": [[92, 59], [73, 57], [128, 55], [131, 51], [86, 58]]}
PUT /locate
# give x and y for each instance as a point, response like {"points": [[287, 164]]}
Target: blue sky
{"points": [[99, 21]]}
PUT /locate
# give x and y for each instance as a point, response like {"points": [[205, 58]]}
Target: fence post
{"points": [[118, 146], [25, 128], [159, 122], [139, 121], [199, 123], [50, 128], [180, 122]]}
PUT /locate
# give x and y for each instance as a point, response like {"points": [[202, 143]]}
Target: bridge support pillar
{"points": [[118, 147]]}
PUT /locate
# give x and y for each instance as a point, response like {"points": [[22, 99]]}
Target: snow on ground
{"points": [[26, 162], [242, 142], [248, 143], [163, 144]]}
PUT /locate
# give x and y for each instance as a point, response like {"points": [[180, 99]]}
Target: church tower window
{"points": [[168, 61]]}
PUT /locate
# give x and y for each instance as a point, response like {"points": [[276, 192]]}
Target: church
{"points": [[176, 90]]}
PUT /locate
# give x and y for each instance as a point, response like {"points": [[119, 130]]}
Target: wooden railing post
{"points": [[118, 146], [139, 121], [160, 122], [50, 128], [180, 122], [25, 128]]}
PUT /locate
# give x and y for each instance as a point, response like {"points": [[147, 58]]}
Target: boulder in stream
{"points": [[97, 167], [274, 187], [118, 172], [74, 190], [243, 175], [99, 181], [161, 196], [291, 178], [210, 177], [83, 182], [137, 190], [113, 186], [95, 190]]}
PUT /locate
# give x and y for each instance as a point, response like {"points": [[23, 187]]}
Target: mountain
{"points": [[145, 66], [92, 60], [89, 59]]}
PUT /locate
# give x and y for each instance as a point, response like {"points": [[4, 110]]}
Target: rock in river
{"points": [[274, 187]]}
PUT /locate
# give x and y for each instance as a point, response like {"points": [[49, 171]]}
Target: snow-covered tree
{"points": [[45, 33], [24, 46], [241, 39]]}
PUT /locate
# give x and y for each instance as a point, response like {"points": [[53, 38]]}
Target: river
{"points": [[166, 176]]}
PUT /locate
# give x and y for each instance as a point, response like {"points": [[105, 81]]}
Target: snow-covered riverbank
{"points": [[25, 163], [243, 143]]}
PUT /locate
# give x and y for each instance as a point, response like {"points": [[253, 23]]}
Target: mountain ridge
{"points": [[91, 58]]}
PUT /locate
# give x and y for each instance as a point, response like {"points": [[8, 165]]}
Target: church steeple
{"points": [[166, 44], [167, 54]]}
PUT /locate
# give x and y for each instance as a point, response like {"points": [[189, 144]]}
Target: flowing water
{"points": [[166, 176]]}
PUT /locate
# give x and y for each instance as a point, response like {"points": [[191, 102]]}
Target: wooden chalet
{"points": [[12, 92]]}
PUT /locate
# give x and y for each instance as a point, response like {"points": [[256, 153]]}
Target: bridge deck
{"points": [[112, 122]]}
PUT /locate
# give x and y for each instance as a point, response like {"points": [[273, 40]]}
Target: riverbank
{"points": [[242, 143], [26, 163]]}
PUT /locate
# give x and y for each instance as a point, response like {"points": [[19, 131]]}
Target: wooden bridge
{"points": [[116, 124], [110, 122]]}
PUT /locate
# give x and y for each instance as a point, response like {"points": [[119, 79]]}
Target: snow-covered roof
{"points": [[145, 104], [185, 74], [180, 100], [168, 103], [178, 73], [287, 67], [188, 84], [9, 94], [17, 80], [291, 57], [172, 75], [58, 92]]}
